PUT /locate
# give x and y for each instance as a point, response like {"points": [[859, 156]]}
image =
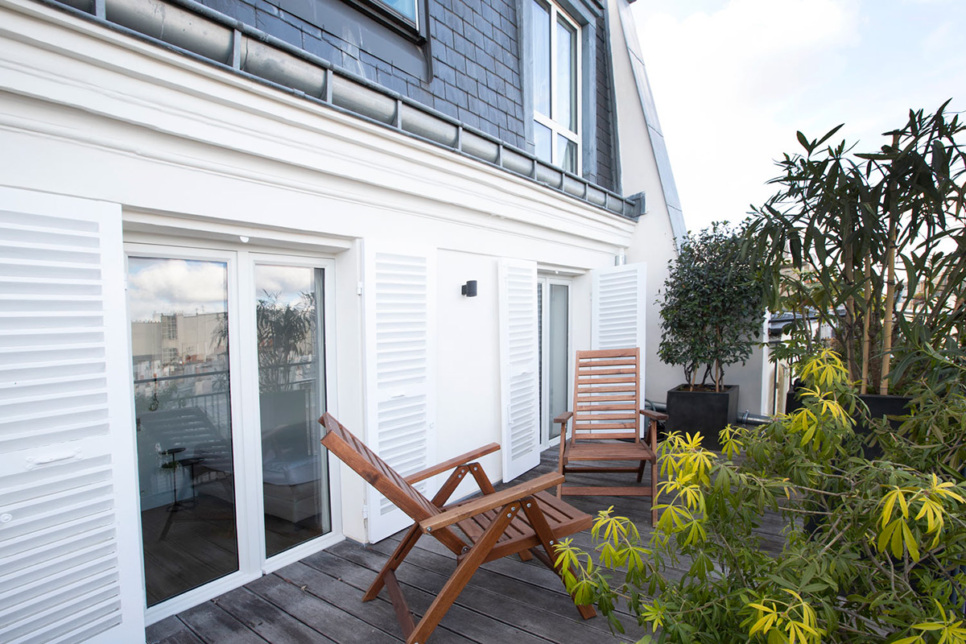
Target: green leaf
{"points": [[804, 141]]}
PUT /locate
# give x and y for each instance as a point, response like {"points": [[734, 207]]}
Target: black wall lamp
{"points": [[469, 289]]}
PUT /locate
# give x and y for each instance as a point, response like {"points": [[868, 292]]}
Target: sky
{"points": [[735, 79], [168, 286]]}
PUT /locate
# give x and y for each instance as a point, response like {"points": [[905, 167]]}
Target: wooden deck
{"points": [[318, 599]]}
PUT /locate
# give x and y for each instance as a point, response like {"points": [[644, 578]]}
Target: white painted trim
{"points": [[58, 59], [301, 551], [181, 230]]}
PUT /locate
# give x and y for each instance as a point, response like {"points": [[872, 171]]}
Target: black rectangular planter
{"points": [[879, 407], [707, 412]]}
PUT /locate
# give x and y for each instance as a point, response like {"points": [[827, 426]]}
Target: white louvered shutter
{"points": [[399, 292], [70, 567], [519, 367], [619, 303]]}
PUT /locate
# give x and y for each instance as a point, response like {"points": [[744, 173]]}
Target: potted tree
{"points": [[711, 313], [872, 246]]}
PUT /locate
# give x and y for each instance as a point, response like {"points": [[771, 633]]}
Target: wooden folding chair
{"points": [[518, 520], [606, 424]]}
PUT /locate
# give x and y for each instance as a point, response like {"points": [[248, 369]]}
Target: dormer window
{"points": [[405, 9], [556, 79], [405, 17]]}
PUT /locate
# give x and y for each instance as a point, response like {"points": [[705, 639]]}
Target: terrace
{"points": [[318, 599]]}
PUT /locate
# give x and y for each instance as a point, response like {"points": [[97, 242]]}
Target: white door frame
{"points": [[546, 281], [329, 395], [246, 432]]}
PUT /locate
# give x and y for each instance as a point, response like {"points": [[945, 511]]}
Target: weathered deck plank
{"points": [[170, 631], [337, 624], [212, 623], [267, 620], [361, 565], [319, 599]]}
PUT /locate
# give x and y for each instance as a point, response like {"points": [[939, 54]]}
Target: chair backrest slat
{"points": [[367, 464], [607, 396]]}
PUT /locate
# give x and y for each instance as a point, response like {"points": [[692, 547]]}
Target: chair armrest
{"points": [[563, 419], [446, 466], [490, 502], [653, 417]]}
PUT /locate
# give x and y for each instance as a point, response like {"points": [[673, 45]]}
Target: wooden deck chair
{"points": [[519, 520], [606, 422]]}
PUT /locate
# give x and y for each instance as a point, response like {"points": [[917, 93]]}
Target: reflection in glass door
{"points": [[179, 337], [291, 386]]}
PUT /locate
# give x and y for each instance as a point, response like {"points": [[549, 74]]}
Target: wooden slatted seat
{"points": [[523, 519], [606, 424]]}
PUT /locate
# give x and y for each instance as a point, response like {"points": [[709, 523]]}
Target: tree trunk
{"points": [[867, 326], [848, 272]]}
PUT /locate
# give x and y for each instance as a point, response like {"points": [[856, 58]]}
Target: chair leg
{"points": [[461, 576], [407, 543], [562, 469], [539, 524], [640, 471]]}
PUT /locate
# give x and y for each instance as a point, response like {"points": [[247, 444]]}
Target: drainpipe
{"points": [[745, 417], [748, 418]]}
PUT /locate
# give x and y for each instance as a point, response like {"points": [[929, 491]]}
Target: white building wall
{"points": [[201, 156], [468, 366], [653, 240], [198, 157]]}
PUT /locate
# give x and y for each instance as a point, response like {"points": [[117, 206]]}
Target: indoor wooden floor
{"points": [[318, 599], [197, 544]]}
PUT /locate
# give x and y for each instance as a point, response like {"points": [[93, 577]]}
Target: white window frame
{"points": [[556, 154]]}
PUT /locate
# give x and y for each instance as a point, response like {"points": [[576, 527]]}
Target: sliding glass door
{"points": [[290, 396], [182, 397], [231, 470], [553, 315]]}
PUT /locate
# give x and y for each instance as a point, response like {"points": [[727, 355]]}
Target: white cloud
{"points": [[167, 286], [289, 282]]}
